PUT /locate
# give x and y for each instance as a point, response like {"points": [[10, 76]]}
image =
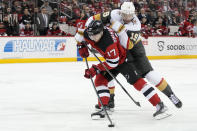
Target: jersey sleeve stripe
{"points": [[99, 88], [112, 62]]}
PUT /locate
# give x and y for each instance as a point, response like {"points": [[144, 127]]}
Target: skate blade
{"points": [[110, 110], [162, 116], [97, 116]]}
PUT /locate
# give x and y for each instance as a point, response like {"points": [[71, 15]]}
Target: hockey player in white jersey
{"points": [[122, 20]]}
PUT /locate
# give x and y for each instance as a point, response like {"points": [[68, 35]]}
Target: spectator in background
{"points": [[19, 13], [7, 25], [153, 16], [144, 27], [152, 6], [11, 23], [165, 7], [47, 7], [175, 19], [87, 12], [137, 6], [27, 30], [54, 16], [195, 28], [161, 29], [55, 30], [144, 21], [15, 5], [80, 23], [36, 11], [162, 16], [147, 31], [2, 29], [8, 11], [26, 18], [43, 22], [25, 5], [75, 15], [114, 6], [143, 14]]}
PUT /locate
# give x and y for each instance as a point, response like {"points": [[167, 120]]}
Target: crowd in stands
{"points": [[63, 17]]}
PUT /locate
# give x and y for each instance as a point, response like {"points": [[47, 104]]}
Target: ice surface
{"points": [[56, 97]]}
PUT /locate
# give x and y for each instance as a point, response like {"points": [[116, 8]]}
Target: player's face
{"points": [[96, 37], [127, 17]]}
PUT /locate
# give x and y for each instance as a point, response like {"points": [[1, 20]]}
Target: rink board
{"points": [[63, 49]]}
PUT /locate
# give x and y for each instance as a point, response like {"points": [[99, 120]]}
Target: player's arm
{"points": [[79, 37], [122, 34], [136, 23], [104, 17], [134, 36]]}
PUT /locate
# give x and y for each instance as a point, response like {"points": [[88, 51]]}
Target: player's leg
{"points": [[157, 80], [110, 84], [111, 87], [111, 103], [103, 91], [145, 69], [101, 83], [129, 72]]}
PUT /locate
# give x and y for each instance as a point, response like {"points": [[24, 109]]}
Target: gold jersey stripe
{"points": [[162, 85], [97, 17], [130, 45], [121, 28]]}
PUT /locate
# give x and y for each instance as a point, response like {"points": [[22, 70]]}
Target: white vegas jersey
{"points": [[134, 25], [114, 17]]}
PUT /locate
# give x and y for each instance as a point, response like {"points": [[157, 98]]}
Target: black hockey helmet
{"points": [[95, 27]]}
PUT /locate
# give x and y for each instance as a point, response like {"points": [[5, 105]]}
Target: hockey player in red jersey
{"points": [[186, 28], [126, 18], [107, 43]]}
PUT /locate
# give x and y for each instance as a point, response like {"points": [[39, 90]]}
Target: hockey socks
{"points": [[166, 89], [148, 91], [157, 80]]}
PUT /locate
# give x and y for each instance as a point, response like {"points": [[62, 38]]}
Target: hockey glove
{"points": [[91, 72], [83, 50]]}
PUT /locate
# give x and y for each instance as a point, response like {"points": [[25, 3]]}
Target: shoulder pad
{"points": [[105, 17]]}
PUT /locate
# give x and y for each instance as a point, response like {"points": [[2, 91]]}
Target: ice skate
{"points": [[161, 112], [111, 104], [101, 113], [175, 100]]}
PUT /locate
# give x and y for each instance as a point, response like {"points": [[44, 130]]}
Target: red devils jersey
{"points": [[186, 28], [109, 47]]}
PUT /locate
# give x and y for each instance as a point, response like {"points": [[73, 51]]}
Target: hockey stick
{"points": [[136, 102], [111, 124]]}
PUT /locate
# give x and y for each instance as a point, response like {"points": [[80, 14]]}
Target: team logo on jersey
{"points": [[35, 45]]}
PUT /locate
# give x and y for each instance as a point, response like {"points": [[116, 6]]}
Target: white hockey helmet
{"points": [[128, 8]]}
